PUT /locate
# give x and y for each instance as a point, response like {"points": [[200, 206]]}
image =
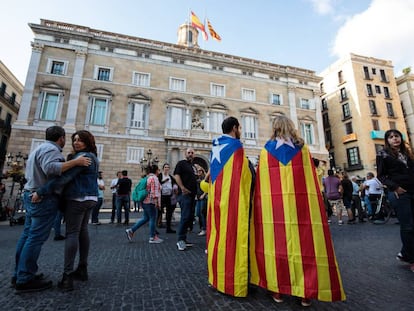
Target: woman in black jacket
{"points": [[395, 169]]}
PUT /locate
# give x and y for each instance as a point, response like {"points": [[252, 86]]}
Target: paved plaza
{"points": [[141, 276]]}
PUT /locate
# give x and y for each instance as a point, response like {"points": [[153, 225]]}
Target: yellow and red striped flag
{"points": [[228, 217], [195, 22], [213, 33], [291, 250]]}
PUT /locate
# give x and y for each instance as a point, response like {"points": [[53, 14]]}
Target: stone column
{"points": [[75, 89], [23, 116], [319, 122], [292, 105]]}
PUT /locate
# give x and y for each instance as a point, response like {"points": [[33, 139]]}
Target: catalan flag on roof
{"points": [[213, 33], [291, 250], [228, 217], [195, 22]]}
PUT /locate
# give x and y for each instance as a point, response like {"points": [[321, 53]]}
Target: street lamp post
{"points": [[148, 161], [17, 162]]}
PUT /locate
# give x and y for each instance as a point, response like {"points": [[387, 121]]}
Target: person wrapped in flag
{"points": [[228, 207], [291, 250]]}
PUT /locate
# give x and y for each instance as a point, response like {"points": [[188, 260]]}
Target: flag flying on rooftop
{"points": [[213, 33], [195, 22]]}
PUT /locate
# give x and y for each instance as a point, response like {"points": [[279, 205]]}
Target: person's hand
{"points": [[36, 198], [83, 161], [185, 190], [399, 191]]}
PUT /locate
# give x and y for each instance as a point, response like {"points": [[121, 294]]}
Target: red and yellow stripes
{"points": [[291, 250], [228, 227]]}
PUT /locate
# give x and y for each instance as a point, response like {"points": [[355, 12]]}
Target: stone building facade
{"points": [[360, 101], [136, 94], [405, 85], [11, 90]]}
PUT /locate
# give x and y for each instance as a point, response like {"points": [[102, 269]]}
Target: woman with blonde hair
{"points": [[291, 250]]}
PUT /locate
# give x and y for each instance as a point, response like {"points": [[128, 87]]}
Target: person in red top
{"points": [[150, 205]]}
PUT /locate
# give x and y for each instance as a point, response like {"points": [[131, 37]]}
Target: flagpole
{"points": [[188, 27]]}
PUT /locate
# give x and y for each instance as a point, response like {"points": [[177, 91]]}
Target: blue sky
{"points": [[310, 34]]}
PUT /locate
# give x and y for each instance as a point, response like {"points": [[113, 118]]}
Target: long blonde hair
{"points": [[283, 127]]}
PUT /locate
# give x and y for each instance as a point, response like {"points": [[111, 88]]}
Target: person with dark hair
{"points": [[123, 197], [395, 169], [79, 188], [150, 205], [291, 250], [167, 182], [228, 206], [45, 162], [347, 190], [229, 124], [333, 191]]}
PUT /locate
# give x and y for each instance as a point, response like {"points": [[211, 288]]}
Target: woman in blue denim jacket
{"points": [[79, 190], [395, 169]]}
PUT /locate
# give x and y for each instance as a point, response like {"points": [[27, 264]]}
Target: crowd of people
{"points": [[266, 226]]}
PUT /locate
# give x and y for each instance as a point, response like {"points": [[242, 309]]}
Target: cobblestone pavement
{"points": [[141, 276]]}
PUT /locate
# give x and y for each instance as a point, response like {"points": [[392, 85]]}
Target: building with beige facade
{"points": [[360, 102], [11, 91], [405, 84], [136, 94]]}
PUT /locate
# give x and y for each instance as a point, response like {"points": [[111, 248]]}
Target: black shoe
{"points": [[80, 274], [38, 277], [59, 237], [126, 223], [33, 286], [351, 222], [188, 244], [66, 284], [170, 231]]}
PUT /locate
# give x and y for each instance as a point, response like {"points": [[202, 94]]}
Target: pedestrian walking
{"points": [[150, 205]]}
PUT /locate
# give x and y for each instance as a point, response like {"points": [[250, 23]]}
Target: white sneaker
{"points": [[129, 234], [340, 222], [155, 240], [181, 245], [202, 232]]}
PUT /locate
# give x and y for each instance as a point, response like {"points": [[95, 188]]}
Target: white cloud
{"points": [[385, 30], [323, 7]]}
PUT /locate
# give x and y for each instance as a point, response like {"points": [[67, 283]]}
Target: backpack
{"points": [[140, 191]]}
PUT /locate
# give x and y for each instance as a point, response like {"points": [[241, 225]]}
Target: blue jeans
{"points": [[95, 210], [201, 206], [368, 205], [122, 200], [186, 221], [57, 224], [39, 220], [150, 214], [404, 207]]}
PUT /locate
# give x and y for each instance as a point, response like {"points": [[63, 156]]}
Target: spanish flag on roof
{"points": [[291, 251], [228, 217], [195, 22]]}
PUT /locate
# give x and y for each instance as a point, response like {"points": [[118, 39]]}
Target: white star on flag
{"points": [[281, 141], [216, 151]]}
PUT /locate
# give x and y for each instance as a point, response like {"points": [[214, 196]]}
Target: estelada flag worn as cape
{"points": [[228, 217], [291, 251]]}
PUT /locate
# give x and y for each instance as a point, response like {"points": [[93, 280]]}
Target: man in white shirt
{"points": [[114, 184], [373, 188]]}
